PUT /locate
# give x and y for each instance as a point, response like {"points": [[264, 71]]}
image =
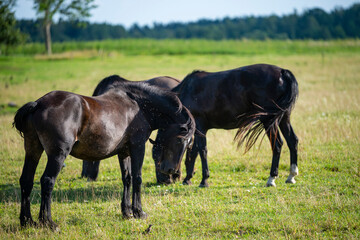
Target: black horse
{"points": [[90, 169], [93, 128], [250, 98]]}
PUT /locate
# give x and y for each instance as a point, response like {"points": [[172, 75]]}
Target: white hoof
{"points": [[290, 179], [271, 182]]}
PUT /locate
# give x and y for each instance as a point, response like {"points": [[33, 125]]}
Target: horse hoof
{"points": [[187, 182], [52, 225], [204, 185], [28, 222], [140, 214], [271, 182], [127, 214], [290, 180]]}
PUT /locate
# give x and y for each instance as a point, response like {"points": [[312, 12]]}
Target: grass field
{"points": [[323, 204]]}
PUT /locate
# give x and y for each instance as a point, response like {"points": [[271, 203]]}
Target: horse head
{"points": [[171, 143]]}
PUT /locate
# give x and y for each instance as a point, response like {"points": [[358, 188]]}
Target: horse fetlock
{"points": [[271, 182], [294, 171], [187, 182], [27, 221]]}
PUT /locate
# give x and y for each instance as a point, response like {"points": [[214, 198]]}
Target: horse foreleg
{"points": [[90, 170], [53, 167], [93, 170], [191, 155], [292, 142], [204, 163], [137, 152], [33, 150], [125, 165], [276, 144]]}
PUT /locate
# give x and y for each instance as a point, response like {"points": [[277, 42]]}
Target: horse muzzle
{"points": [[166, 169]]}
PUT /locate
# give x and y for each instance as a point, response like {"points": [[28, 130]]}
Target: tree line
{"points": [[314, 23]]}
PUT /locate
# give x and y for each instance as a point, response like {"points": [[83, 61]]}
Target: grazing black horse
{"points": [[250, 98], [93, 128], [90, 169]]}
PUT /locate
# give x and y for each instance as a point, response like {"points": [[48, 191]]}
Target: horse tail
{"points": [[251, 124], [287, 101], [21, 116]]}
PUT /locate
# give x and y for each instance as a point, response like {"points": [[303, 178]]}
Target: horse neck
{"points": [[160, 116], [159, 106]]}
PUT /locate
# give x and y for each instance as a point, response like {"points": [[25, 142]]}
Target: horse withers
{"points": [[90, 169], [93, 128], [251, 98]]}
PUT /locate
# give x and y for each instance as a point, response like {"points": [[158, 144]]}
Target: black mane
{"points": [[107, 83], [150, 98]]}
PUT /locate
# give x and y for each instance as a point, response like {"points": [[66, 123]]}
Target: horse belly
{"points": [[100, 141], [93, 152]]}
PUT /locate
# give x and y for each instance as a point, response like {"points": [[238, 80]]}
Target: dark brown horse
{"points": [[250, 98], [90, 169], [93, 128]]}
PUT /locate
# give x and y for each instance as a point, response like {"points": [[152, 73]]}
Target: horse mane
{"points": [[108, 83], [150, 97]]}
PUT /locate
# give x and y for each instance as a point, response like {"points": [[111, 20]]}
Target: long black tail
{"points": [[21, 116], [251, 124]]}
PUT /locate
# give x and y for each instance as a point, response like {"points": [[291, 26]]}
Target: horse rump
{"points": [[251, 124]]}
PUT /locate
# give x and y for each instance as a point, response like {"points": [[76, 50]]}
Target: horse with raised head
{"points": [[90, 169], [118, 122], [250, 98]]}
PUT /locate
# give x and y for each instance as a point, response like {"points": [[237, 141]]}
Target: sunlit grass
{"points": [[323, 204]]}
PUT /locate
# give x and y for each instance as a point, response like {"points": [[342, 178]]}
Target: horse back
{"points": [[221, 97], [94, 127]]}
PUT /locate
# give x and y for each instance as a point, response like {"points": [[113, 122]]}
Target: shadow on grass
{"points": [[95, 192]]}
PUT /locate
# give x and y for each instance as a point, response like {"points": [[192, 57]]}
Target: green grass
{"points": [[195, 46], [323, 204]]}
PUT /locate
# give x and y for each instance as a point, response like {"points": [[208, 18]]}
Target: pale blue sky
{"points": [[146, 12]]}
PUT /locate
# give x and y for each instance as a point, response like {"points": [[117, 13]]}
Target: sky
{"points": [[147, 12]]}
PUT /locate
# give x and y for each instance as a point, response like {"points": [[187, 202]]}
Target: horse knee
{"points": [[127, 179], [47, 184], [137, 180], [26, 186]]}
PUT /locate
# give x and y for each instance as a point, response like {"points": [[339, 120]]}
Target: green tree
{"points": [[74, 9], [9, 34]]}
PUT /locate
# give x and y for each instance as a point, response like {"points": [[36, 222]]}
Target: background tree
{"points": [[74, 9], [9, 34]]}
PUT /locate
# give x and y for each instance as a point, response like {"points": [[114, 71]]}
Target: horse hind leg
{"points": [[125, 166], [276, 144], [54, 165], [33, 151], [292, 142]]}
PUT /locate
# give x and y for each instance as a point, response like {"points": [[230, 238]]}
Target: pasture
{"points": [[323, 204]]}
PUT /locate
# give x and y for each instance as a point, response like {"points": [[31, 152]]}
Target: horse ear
{"points": [[151, 141]]}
